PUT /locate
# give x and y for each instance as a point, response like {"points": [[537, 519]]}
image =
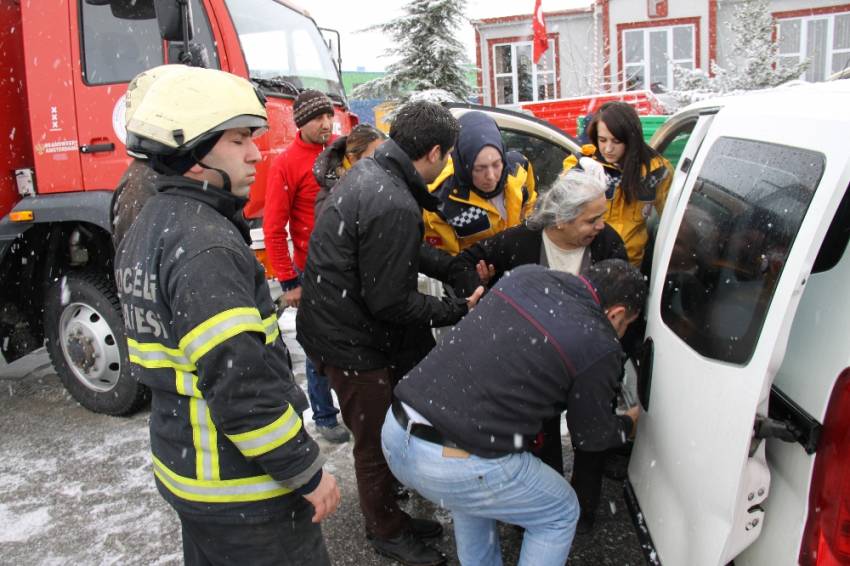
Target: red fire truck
{"points": [[66, 65]]}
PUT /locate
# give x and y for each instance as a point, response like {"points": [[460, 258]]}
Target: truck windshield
{"points": [[283, 48]]}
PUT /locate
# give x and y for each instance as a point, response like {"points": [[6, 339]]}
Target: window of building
{"points": [[823, 40], [518, 79], [649, 55]]}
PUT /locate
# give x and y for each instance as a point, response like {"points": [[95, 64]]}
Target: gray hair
{"points": [[564, 200]]}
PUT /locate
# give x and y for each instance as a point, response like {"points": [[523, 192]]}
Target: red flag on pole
{"points": [[541, 42]]}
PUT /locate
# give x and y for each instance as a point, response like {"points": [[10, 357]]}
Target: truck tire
{"points": [[87, 344]]}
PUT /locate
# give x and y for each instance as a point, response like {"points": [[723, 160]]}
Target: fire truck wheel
{"points": [[87, 344]]}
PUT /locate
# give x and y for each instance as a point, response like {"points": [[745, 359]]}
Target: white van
{"points": [[743, 448]]}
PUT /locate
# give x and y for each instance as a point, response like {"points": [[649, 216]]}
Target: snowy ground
{"points": [[77, 488]]}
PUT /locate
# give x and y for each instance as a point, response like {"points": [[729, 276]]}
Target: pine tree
{"points": [[431, 56], [755, 61]]}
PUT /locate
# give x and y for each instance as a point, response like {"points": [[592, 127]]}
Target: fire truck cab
{"points": [[62, 120]]}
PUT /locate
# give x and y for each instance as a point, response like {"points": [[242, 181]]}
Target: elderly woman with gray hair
{"points": [[566, 233]]}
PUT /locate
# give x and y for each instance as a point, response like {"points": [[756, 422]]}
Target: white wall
{"points": [[575, 51]]}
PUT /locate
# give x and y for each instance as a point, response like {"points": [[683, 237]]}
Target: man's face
{"points": [[318, 130], [436, 164], [237, 155]]}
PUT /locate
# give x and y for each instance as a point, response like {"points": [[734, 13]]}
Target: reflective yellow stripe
{"points": [[269, 437], [219, 328], [272, 329], [218, 491], [154, 356], [213, 446], [202, 339], [204, 436], [187, 384]]}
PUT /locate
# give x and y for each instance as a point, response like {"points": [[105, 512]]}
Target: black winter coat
{"points": [[359, 291], [537, 344], [521, 245]]}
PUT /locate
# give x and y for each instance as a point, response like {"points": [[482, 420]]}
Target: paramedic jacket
{"points": [[226, 434], [538, 343]]}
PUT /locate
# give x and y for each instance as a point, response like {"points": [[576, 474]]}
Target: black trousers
{"points": [[287, 540], [587, 466]]}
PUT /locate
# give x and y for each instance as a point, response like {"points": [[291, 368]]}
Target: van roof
{"points": [[797, 98]]}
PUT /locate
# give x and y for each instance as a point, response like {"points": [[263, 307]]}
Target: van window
{"points": [[739, 225], [116, 49], [202, 40], [546, 158]]}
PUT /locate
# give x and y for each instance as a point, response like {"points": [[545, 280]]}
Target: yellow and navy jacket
{"points": [[464, 218], [629, 218], [226, 433]]}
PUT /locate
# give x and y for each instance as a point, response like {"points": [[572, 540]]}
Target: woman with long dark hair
{"points": [[637, 177]]}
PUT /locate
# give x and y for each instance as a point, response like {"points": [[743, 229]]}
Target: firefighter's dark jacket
{"points": [[360, 299], [226, 432], [537, 344]]}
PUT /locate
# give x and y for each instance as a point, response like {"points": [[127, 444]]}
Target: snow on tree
{"points": [[431, 56], [754, 61]]}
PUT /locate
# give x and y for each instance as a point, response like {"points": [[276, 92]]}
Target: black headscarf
{"points": [[477, 131]]}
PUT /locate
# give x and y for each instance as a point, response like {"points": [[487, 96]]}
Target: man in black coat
{"points": [[360, 304], [567, 233], [540, 342]]}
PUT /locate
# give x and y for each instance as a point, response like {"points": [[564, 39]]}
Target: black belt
{"points": [[419, 430]]}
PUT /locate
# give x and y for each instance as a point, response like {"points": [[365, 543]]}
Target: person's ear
{"points": [[616, 315], [196, 169], [435, 155]]}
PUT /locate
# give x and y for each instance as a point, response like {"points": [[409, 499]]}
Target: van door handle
{"points": [[97, 147]]}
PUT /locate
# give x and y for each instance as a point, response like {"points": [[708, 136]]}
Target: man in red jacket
{"points": [[290, 198]]}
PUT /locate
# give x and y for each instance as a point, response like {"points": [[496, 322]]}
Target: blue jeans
{"points": [[319, 392], [518, 489]]}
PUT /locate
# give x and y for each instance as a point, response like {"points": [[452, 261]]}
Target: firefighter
{"points": [[230, 452]]}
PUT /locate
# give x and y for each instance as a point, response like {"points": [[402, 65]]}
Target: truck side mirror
{"points": [[174, 20]]}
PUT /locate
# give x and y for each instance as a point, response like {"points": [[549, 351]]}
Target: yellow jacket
{"points": [[629, 218], [464, 218]]}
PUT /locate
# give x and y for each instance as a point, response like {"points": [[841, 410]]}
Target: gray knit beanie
{"points": [[309, 104]]}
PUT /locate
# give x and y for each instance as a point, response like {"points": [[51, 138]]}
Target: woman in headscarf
{"points": [[483, 189]]}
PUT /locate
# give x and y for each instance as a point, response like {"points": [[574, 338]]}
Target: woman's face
{"points": [[581, 231], [611, 148], [487, 169]]}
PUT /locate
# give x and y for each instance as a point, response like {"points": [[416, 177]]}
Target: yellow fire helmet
{"points": [[186, 106], [137, 89], [140, 84]]}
